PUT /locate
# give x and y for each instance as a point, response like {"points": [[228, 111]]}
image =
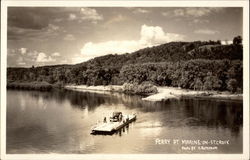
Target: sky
{"points": [[40, 36]]}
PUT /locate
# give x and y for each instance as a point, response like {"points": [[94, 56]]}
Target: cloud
{"points": [[20, 61], [56, 54], [154, 35], [90, 14], [64, 61], [179, 12], [11, 52], [23, 50], [37, 18], [78, 59], [165, 13], [58, 20], [149, 36], [226, 42], [198, 21], [206, 31], [31, 57], [37, 22], [27, 18], [16, 33], [42, 57], [91, 50], [72, 16], [140, 10], [69, 37], [52, 27], [196, 11], [115, 19], [201, 21], [85, 14]]}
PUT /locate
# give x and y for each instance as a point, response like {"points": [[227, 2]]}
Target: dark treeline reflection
{"points": [[191, 112]]}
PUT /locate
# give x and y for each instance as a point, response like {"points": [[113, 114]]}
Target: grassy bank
{"points": [[41, 86]]}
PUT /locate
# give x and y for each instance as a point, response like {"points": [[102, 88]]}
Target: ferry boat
{"points": [[116, 122]]}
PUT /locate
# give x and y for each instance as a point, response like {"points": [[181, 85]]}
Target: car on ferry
{"points": [[116, 117]]}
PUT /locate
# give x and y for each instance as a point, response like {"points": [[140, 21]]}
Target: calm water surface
{"points": [[60, 122]]}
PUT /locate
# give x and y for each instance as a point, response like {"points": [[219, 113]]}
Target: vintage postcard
{"points": [[125, 80]]}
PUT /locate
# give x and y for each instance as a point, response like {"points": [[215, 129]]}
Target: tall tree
{"points": [[237, 40]]}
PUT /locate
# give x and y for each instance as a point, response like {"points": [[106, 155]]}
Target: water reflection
{"points": [[60, 121], [211, 113]]}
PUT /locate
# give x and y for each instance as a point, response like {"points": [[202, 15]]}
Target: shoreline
{"points": [[164, 93], [41, 86]]}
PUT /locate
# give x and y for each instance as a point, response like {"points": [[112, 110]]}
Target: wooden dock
{"points": [[111, 127]]}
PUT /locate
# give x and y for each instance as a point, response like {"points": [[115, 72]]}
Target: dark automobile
{"points": [[116, 117]]}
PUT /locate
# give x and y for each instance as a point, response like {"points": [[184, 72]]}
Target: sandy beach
{"points": [[171, 92], [164, 93]]}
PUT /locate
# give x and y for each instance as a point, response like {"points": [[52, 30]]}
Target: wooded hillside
{"points": [[192, 65]]}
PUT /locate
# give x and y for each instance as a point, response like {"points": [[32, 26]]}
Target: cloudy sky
{"points": [[45, 36]]}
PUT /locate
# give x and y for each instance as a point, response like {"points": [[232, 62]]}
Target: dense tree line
{"points": [[193, 65], [199, 74]]}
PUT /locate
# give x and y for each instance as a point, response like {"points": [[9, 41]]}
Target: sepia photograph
{"points": [[124, 80]]}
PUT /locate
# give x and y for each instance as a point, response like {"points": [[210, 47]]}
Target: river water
{"points": [[60, 122]]}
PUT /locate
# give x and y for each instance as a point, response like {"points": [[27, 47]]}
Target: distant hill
{"points": [[173, 51], [168, 64]]}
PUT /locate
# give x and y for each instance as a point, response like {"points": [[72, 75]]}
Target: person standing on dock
{"points": [[120, 117], [104, 120]]}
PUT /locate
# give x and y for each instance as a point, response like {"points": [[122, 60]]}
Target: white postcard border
{"points": [[239, 3]]}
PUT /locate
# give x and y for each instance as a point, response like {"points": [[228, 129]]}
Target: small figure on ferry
{"points": [[120, 117]]}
